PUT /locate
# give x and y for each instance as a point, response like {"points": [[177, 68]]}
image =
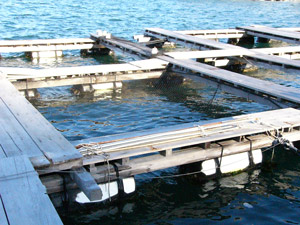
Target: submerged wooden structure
{"points": [[37, 160]]}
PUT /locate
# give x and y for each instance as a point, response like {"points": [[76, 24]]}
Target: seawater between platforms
{"points": [[270, 194]]}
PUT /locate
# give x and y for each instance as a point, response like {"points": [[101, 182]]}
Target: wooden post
{"points": [[86, 183]]}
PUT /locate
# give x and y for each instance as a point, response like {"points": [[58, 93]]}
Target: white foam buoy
{"points": [[231, 163], [257, 156], [109, 190], [234, 162], [129, 185], [154, 51], [209, 167]]}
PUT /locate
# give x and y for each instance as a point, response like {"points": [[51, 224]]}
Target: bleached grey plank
{"points": [[23, 194]]}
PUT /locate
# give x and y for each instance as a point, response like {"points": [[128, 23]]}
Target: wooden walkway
{"points": [[214, 34], [254, 87], [291, 52], [23, 198], [272, 33], [24, 131], [120, 44], [27, 138], [9, 46], [26, 78], [173, 146], [204, 44]]}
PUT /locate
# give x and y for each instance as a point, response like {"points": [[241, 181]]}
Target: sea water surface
{"points": [[266, 195]]}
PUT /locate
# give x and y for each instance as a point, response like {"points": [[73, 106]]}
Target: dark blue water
{"points": [[269, 195]]}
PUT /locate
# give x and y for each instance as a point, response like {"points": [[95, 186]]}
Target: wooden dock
{"points": [[34, 155], [24, 131], [145, 151], [251, 88], [23, 198], [26, 78], [289, 36], [214, 34], [9, 46], [28, 139], [125, 46], [204, 44]]}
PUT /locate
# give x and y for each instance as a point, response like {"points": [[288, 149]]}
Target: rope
{"points": [[212, 99]]}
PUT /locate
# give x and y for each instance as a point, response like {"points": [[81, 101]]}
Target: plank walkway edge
{"points": [[29, 133], [23, 196]]}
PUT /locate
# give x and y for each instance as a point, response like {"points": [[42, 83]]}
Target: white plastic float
{"points": [[109, 190]]}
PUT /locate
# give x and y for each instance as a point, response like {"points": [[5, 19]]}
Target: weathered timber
{"points": [[289, 52], [24, 78], [23, 198], [29, 133], [272, 33], [209, 54], [86, 183], [269, 90], [256, 127], [128, 145], [187, 40], [119, 44], [263, 60], [214, 34], [10, 46]]}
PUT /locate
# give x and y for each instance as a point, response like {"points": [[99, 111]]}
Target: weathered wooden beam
{"points": [[86, 183], [146, 164], [92, 79]]}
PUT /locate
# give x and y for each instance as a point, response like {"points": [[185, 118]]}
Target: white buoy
{"points": [[233, 163], [154, 51], [109, 190], [129, 185], [209, 167], [257, 156]]}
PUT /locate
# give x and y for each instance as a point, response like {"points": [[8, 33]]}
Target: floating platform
{"points": [[26, 78], [289, 36], [33, 154]]}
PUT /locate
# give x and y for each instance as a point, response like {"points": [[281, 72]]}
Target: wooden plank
{"points": [[14, 138], [118, 44], [191, 41], [23, 195], [187, 40], [24, 73], [7, 46], [59, 41], [214, 34], [242, 125], [276, 60], [32, 84], [272, 33], [52, 144], [86, 183], [209, 54], [190, 155], [278, 50], [264, 87], [45, 48]]}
